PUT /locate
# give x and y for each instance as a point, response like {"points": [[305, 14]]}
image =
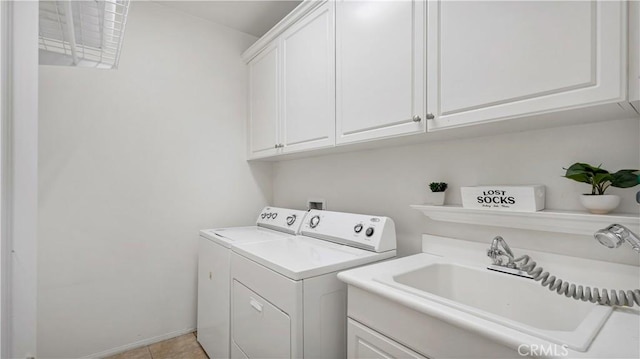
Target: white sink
{"points": [[516, 302]]}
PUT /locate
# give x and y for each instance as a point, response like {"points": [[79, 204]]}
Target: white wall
{"points": [[20, 186], [386, 181], [132, 164]]}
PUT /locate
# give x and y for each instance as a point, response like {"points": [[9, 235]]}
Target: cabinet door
{"points": [[380, 69], [308, 85], [365, 343], [494, 60], [263, 103]]}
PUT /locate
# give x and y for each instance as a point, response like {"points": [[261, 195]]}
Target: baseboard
{"points": [[140, 343]]}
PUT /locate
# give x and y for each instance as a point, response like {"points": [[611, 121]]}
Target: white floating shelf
{"points": [[573, 222]]}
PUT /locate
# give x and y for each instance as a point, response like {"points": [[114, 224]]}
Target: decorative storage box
{"points": [[504, 198]]}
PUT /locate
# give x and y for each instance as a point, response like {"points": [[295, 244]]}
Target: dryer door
{"points": [[260, 329]]}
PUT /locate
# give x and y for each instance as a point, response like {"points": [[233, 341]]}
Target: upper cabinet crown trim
{"points": [[296, 14]]}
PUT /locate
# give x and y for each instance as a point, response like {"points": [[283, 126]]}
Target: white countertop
{"points": [[618, 338]]}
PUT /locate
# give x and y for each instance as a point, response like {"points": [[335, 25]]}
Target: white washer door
{"points": [[260, 329]]}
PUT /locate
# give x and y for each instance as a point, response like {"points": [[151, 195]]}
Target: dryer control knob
{"points": [[358, 228], [291, 219], [263, 215], [274, 215], [313, 222], [369, 232]]}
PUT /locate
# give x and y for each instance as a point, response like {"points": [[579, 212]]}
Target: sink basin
{"points": [[516, 302]]}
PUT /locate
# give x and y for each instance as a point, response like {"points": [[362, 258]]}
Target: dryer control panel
{"points": [[281, 219], [374, 233]]}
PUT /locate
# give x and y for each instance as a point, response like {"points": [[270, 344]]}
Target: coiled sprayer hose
{"points": [[593, 295]]}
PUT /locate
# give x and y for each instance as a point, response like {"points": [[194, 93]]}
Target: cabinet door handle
{"points": [[256, 305], [276, 146], [416, 118], [430, 116]]}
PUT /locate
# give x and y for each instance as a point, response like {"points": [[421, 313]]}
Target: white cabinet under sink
{"points": [[364, 342], [380, 67], [495, 60]]}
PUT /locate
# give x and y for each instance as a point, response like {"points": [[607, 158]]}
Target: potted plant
{"points": [[600, 179], [435, 196]]}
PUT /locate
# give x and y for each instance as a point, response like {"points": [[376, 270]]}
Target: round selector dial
{"points": [[268, 215], [358, 228], [263, 215], [314, 221], [369, 232], [291, 219], [274, 215]]}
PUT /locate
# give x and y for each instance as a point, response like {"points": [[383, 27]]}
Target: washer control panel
{"points": [[281, 219], [373, 233]]}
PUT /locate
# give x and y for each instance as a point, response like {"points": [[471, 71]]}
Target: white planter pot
{"points": [[600, 204], [434, 198]]}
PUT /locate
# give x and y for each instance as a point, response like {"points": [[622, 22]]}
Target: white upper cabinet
{"points": [[380, 80], [263, 103], [308, 82], [292, 85], [347, 71], [490, 61]]}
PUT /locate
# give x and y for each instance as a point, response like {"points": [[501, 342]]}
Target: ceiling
{"points": [[249, 16]]}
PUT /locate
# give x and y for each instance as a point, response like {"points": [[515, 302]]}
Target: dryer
{"points": [[286, 299], [214, 255]]}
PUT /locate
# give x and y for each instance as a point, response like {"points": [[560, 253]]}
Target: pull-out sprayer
{"points": [[615, 234], [611, 237]]}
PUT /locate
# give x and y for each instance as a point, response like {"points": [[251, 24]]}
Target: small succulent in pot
{"points": [[438, 186], [435, 197], [600, 180]]}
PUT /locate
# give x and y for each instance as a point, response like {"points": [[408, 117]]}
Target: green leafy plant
{"points": [[601, 179], [438, 186]]}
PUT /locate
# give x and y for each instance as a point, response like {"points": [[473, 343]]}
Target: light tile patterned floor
{"points": [[182, 347]]}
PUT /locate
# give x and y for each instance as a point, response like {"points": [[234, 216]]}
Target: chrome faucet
{"points": [[503, 258], [615, 234], [499, 251]]}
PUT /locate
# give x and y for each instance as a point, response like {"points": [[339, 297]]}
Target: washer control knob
{"points": [[268, 215], [274, 215], [313, 223], [291, 219], [263, 215], [358, 228], [369, 232]]}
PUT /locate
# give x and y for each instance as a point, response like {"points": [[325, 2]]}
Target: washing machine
{"points": [[214, 258], [287, 301]]}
